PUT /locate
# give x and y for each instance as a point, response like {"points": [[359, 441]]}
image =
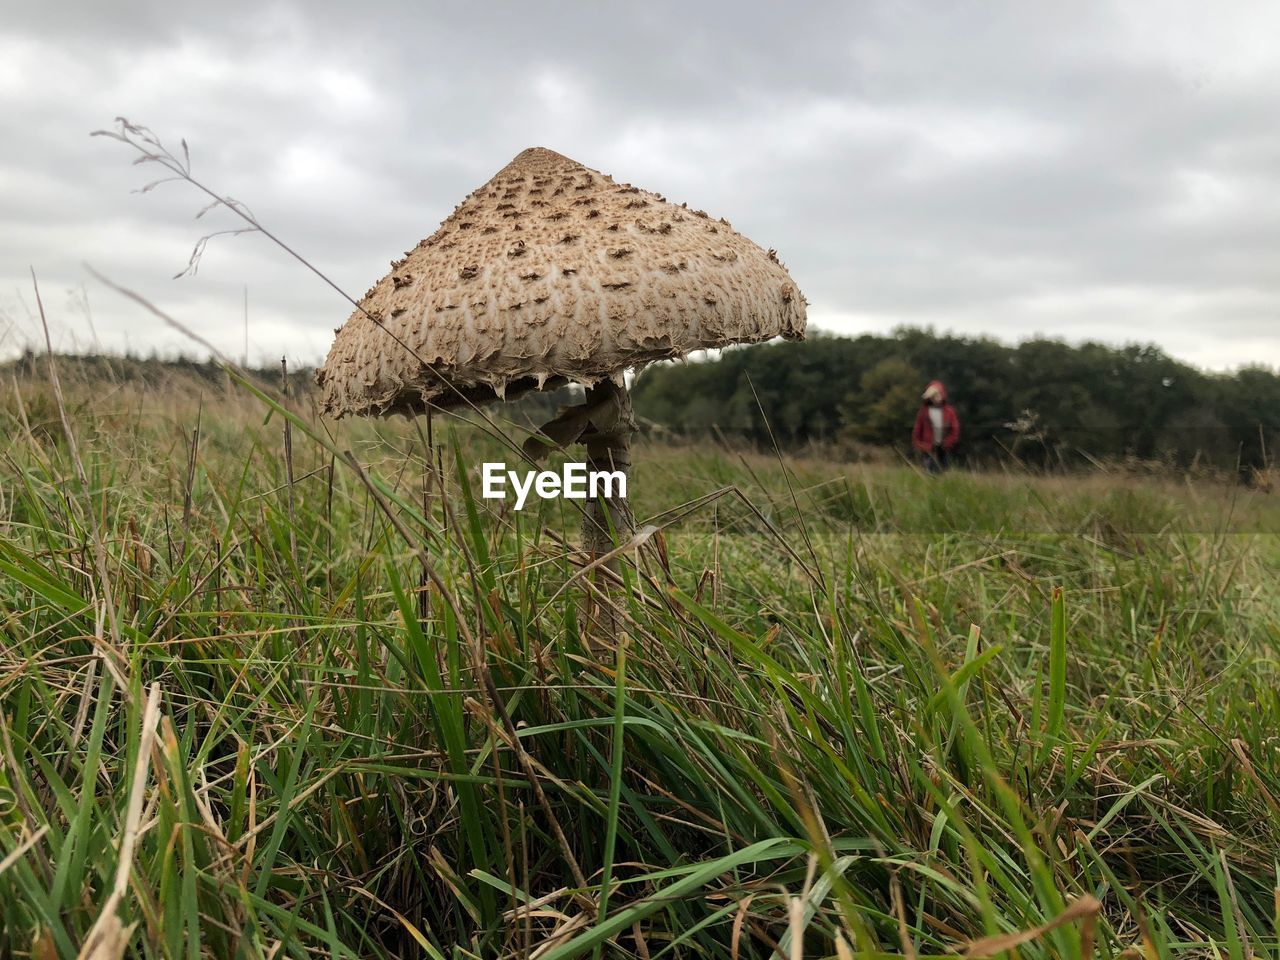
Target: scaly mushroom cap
{"points": [[552, 272]]}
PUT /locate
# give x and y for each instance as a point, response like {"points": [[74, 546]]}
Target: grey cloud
{"points": [[1094, 170]]}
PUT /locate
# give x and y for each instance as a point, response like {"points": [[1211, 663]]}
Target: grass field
{"points": [[855, 712]]}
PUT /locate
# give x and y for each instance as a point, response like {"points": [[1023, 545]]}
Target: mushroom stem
{"points": [[607, 520]]}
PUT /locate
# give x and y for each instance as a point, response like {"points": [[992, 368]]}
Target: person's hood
{"points": [[935, 387]]}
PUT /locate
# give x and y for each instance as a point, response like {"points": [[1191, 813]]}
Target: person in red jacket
{"points": [[937, 429]]}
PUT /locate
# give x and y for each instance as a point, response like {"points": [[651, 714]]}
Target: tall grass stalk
{"points": [[968, 714]]}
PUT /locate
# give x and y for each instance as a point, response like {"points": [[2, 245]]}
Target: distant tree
{"points": [[1090, 402], [882, 410]]}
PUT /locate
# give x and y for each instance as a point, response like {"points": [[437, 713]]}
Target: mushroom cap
{"points": [[551, 272]]}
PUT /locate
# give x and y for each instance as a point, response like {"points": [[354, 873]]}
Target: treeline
{"points": [[163, 373], [153, 370], [1044, 402]]}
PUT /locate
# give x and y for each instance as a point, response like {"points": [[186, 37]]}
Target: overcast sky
{"points": [[1104, 171]]}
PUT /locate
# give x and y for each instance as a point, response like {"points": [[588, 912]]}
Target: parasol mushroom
{"points": [[553, 273]]}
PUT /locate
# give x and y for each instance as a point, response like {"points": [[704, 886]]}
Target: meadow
{"points": [[259, 698]]}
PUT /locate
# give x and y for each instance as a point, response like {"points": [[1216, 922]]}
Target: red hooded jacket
{"points": [[922, 435]]}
